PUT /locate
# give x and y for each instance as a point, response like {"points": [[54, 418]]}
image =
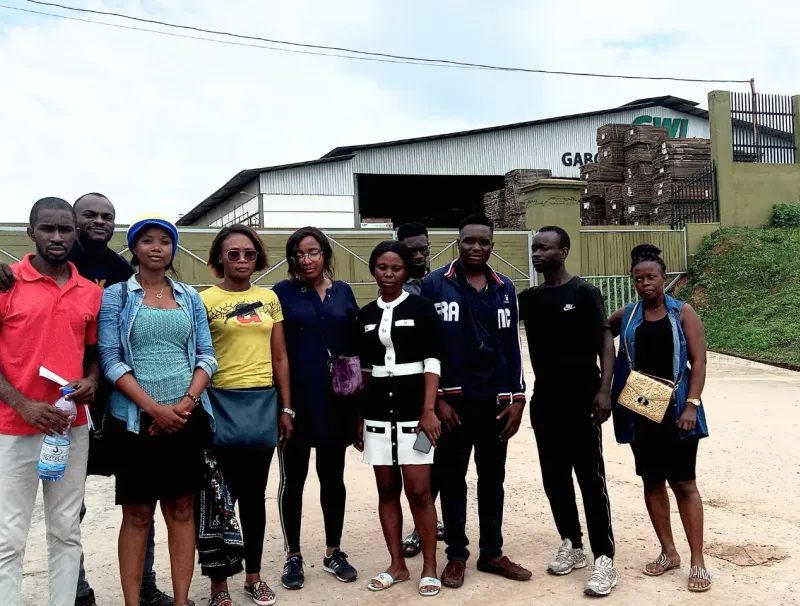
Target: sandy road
{"points": [[748, 474]]}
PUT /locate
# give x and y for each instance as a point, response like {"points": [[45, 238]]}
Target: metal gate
{"points": [[605, 259], [351, 250]]}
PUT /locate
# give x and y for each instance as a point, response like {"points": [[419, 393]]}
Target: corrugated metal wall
{"points": [[330, 178], [496, 153]]}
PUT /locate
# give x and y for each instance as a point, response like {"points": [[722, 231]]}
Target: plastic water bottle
{"points": [[55, 449]]}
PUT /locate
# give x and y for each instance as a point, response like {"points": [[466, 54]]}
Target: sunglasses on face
{"points": [[314, 255], [235, 255]]}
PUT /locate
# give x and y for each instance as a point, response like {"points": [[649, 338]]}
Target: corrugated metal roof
{"points": [[241, 179], [668, 101], [344, 153]]}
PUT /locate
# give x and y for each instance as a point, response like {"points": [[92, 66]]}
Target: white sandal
{"points": [[429, 582], [383, 581]]}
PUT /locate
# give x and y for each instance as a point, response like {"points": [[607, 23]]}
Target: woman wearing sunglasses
{"points": [[321, 317], [247, 332]]}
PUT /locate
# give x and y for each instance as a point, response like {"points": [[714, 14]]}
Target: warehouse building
{"points": [[437, 179]]}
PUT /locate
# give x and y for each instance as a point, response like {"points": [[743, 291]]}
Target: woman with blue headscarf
{"points": [[155, 348]]}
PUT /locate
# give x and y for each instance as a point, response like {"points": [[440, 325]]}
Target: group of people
{"points": [[190, 394]]}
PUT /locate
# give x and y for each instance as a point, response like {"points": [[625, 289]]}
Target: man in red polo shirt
{"points": [[48, 318]]}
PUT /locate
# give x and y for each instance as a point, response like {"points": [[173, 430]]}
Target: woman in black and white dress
{"points": [[401, 362]]}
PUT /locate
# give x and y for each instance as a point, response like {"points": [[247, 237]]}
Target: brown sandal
{"points": [[664, 562]]}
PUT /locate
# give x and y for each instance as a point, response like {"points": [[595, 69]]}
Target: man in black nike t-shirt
{"points": [[567, 329]]}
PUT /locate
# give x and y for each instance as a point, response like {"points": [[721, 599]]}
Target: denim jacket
{"points": [[116, 356], [624, 419]]}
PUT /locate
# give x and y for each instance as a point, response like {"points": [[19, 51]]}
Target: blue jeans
{"points": [[148, 575]]}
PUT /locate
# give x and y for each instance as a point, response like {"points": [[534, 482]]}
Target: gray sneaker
{"points": [[567, 559], [603, 578]]}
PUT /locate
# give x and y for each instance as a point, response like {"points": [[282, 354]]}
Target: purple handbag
{"points": [[345, 371], [345, 375]]}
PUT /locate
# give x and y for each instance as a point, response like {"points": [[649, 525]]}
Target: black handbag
{"points": [[244, 417]]}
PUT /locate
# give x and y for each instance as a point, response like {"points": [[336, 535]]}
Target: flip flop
{"points": [[663, 561], [429, 582], [383, 581], [411, 545], [696, 572]]}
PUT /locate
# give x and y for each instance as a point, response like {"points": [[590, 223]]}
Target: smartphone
{"points": [[423, 443]]}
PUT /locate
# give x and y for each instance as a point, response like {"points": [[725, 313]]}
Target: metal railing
{"points": [[694, 200], [763, 128], [618, 291]]}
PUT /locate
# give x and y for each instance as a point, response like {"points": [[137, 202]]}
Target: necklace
{"points": [[657, 308], [160, 292]]}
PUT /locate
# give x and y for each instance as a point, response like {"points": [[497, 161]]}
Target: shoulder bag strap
{"points": [[625, 335], [320, 332]]}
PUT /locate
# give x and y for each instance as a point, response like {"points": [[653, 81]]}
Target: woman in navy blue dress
{"points": [[320, 316]]}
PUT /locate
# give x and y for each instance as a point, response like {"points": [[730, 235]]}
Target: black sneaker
{"points": [[153, 596], [338, 566], [293, 576], [87, 600]]}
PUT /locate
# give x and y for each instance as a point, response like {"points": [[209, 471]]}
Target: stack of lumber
{"points": [[602, 172], [494, 205], [644, 134], [638, 153], [674, 161], [593, 210], [612, 133], [637, 214], [612, 153], [514, 213]]}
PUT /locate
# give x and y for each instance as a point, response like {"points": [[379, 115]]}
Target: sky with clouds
{"points": [[158, 123]]}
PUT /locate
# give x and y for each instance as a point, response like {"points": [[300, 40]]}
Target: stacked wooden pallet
{"points": [[602, 172], [494, 205], [514, 213], [674, 161], [612, 154], [638, 190], [593, 210], [612, 133]]}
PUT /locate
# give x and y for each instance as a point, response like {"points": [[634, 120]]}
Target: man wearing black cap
{"points": [[95, 261]]}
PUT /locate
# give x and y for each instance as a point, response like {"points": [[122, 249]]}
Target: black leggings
{"points": [[294, 463], [246, 471]]}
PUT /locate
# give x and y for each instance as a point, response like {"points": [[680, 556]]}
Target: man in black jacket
{"points": [[95, 261], [567, 329]]}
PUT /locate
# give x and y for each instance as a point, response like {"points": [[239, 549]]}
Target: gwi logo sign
{"points": [[677, 127]]}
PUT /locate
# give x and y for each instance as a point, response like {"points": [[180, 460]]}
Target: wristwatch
{"points": [[288, 411], [695, 401]]}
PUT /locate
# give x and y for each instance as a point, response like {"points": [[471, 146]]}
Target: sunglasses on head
{"points": [[235, 255]]}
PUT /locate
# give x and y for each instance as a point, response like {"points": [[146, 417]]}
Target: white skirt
{"points": [[388, 445]]}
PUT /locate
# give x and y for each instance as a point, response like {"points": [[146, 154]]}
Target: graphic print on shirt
{"points": [[245, 312], [503, 318], [448, 311]]}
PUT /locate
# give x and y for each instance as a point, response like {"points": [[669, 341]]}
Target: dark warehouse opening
{"points": [[435, 200]]}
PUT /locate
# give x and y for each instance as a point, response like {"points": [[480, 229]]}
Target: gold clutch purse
{"points": [[643, 394]]}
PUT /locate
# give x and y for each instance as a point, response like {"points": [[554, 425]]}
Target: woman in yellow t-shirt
{"points": [[246, 324]]}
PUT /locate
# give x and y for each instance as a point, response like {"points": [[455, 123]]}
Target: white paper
{"points": [[49, 374]]}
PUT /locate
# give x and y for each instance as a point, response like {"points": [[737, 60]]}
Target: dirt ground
{"points": [[748, 475]]}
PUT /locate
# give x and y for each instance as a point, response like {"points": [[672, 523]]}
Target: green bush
{"points": [[786, 215], [745, 284]]}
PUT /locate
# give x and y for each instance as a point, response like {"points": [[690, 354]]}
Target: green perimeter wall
{"points": [[747, 191]]}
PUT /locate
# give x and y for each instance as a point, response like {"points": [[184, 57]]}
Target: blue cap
{"points": [[154, 221], [66, 391]]}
